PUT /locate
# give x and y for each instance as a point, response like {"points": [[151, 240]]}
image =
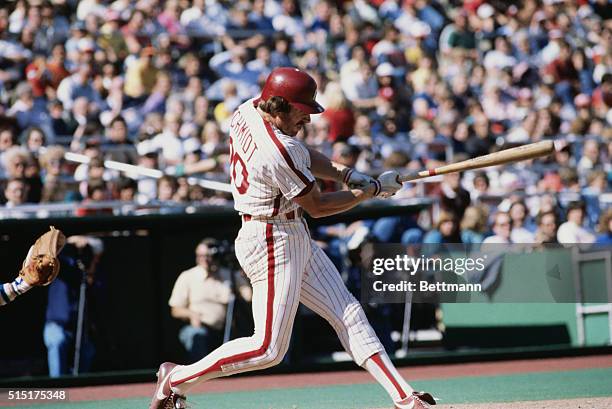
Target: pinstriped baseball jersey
{"points": [[268, 168]]}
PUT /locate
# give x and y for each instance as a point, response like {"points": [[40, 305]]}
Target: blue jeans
{"points": [[197, 341], [59, 343]]}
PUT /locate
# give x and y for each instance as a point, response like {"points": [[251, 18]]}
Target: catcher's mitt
{"points": [[41, 265]]}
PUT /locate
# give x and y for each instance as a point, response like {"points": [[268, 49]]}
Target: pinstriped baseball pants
{"points": [[285, 267]]}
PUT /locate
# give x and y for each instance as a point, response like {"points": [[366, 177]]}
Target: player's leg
{"points": [[275, 263], [324, 292]]}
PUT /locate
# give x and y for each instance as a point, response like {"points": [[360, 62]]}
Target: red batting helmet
{"points": [[296, 86]]}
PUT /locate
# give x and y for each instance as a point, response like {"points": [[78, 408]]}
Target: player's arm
{"points": [[185, 314], [324, 168], [10, 291], [319, 204]]}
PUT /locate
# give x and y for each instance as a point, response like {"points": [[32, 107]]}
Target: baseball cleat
{"points": [[418, 400], [164, 398]]}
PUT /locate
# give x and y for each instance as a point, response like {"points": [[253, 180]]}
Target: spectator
{"points": [[289, 21], [453, 197], [500, 57], [140, 76], [203, 20], [474, 225], [95, 172], [166, 188], [259, 18], [338, 113], [7, 140], [27, 110], [15, 192], [546, 232], [590, 156], [200, 297], [34, 140], [111, 40], [119, 147], [572, 231], [501, 229], [462, 38], [97, 191], [520, 232], [280, 55], [78, 85], [17, 163], [480, 185], [605, 228], [446, 230], [126, 189], [61, 124], [168, 142]]}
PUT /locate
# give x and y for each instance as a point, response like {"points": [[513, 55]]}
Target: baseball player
{"points": [[273, 182]]}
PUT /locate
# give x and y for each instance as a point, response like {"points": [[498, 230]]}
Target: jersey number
{"points": [[240, 176]]}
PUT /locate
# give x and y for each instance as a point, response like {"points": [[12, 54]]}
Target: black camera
{"points": [[222, 253]]}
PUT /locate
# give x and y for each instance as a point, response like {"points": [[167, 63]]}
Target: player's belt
{"points": [[294, 214]]}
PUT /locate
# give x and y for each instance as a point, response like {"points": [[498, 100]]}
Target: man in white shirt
{"points": [[572, 231], [200, 298]]}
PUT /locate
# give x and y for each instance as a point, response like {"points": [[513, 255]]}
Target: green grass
{"points": [[474, 389]]}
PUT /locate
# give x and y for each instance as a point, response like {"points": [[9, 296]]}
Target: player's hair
{"points": [[274, 105]]}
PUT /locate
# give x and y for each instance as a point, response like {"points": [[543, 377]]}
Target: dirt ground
{"points": [[583, 403]]}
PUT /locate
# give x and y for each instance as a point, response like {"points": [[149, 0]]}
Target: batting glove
{"points": [[356, 180], [387, 184]]}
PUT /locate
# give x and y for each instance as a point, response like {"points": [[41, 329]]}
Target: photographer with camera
{"points": [[201, 296], [67, 329]]}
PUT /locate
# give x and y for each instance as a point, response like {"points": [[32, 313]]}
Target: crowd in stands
{"points": [[406, 84]]}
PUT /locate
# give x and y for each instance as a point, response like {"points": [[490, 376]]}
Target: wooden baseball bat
{"points": [[529, 151]]}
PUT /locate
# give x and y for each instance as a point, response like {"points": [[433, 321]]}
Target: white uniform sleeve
{"points": [[291, 170]]}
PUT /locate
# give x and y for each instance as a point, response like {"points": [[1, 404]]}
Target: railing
{"points": [[372, 209]]}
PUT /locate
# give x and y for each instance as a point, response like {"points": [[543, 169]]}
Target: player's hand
{"points": [[356, 180], [388, 184]]}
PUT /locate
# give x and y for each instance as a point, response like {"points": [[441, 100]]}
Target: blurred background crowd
{"points": [[406, 83]]}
